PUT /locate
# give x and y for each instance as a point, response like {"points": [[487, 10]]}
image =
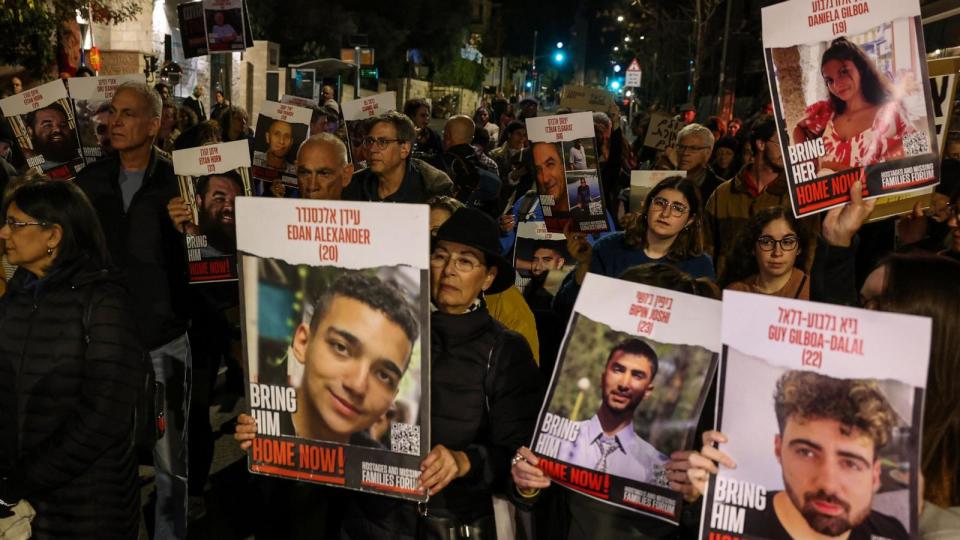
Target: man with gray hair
{"points": [[129, 190], [694, 146], [322, 167]]}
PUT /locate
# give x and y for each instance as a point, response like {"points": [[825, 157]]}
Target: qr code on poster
{"points": [[916, 143], [405, 438]]}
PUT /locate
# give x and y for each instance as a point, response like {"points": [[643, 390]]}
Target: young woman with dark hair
{"points": [[768, 256], [66, 413], [862, 122]]}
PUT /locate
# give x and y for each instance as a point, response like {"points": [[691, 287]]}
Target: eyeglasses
{"points": [[787, 243], [381, 142], [460, 264], [17, 225], [676, 209], [684, 148]]}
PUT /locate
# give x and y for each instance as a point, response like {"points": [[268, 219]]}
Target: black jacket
{"points": [[420, 182], [488, 430], [66, 405], [143, 243]]}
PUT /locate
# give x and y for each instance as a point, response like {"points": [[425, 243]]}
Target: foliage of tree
{"points": [[460, 72], [28, 27], [307, 30]]}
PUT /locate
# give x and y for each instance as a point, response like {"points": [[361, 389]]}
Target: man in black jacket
{"points": [[473, 185], [129, 191]]}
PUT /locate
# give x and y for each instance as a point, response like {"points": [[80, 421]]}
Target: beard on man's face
{"points": [[58, 146], [822, 523], [220, 235]]}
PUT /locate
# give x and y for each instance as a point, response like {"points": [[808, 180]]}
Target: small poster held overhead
{"points": [[45, 127], [631, 380], [280, 131], [91, 98], [542, 261], [224, 25], [641, 182], [822, 409], [211, 178], [568, 182], [850, 98], [325, 284], [662, 131]]}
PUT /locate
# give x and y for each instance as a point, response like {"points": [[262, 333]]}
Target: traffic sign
{"points": [[633, 74]]}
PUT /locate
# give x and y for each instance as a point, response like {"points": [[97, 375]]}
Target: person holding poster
{"points": [[91, 97], [280, 129], [769, 256], [850, 97]]}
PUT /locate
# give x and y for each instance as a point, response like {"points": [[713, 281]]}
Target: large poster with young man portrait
{"points": [[336, 341], [92, 97], [821, 406], [626, 394], [848, 84], [211, 178], [44, 124], [564, 153], [281, 129]]}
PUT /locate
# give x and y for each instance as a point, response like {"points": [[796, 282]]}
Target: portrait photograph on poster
{"points": [[850, 99], [43, 122], [542, 261], [281, 129], [627, 391], [322, 282], [224, 24], [822, 417], [91, 100]]}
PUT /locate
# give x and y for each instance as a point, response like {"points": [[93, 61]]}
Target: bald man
{"points": [[474, 185]]}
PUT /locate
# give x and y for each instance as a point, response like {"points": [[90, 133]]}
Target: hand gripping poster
{"points": [[565, 156], [43, 122], [91, 99], [821, 406], [848, 84], [281, 129], [355, 114], [211, 178], [627, 391], [336, 340]]}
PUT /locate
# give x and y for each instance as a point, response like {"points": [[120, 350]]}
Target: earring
{"points": [[49, 251]]}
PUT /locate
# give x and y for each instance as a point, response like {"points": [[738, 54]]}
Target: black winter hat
{"points": [[472, 227]]}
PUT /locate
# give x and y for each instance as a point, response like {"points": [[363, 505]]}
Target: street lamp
{"points": [[620, 18], [559, 44], [616, 68], [615, 49], [626, 39]]}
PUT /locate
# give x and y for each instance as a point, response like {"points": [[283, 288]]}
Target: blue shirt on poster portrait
{"points": [[535, 214], [632, 457]]}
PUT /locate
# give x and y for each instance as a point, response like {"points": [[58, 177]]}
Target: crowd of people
{"points": [[95, 297]]}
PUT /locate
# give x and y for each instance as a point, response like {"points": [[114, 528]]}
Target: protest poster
{"points": [[91, 100], [211, 178], [662, 131], [565, 157], [193, 30], [224, 25], [943, 88], [280, 131], [542, 261], [585, 98], [355, 114], [822, 406], [630, 382], [43, 122], [322, 281], [847, 85], [306, 103], [641, 182]]}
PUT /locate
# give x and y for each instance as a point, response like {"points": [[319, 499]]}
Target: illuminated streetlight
{"points": [[616, 68], [642, 38], [620, 18], [559, 44], [628, 93], [615, 49], [626, 39]]}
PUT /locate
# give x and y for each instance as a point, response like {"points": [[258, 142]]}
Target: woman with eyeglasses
{"points": [[70, 367], [768, 256]]}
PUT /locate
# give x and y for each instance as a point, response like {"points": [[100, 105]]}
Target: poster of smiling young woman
{"points": [[627, 391], [336, 340], [822, 408], [848, 84]]}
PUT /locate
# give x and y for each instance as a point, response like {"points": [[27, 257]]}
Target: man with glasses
{"points": [[758, 186], [694, 147], [392, 175]]}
